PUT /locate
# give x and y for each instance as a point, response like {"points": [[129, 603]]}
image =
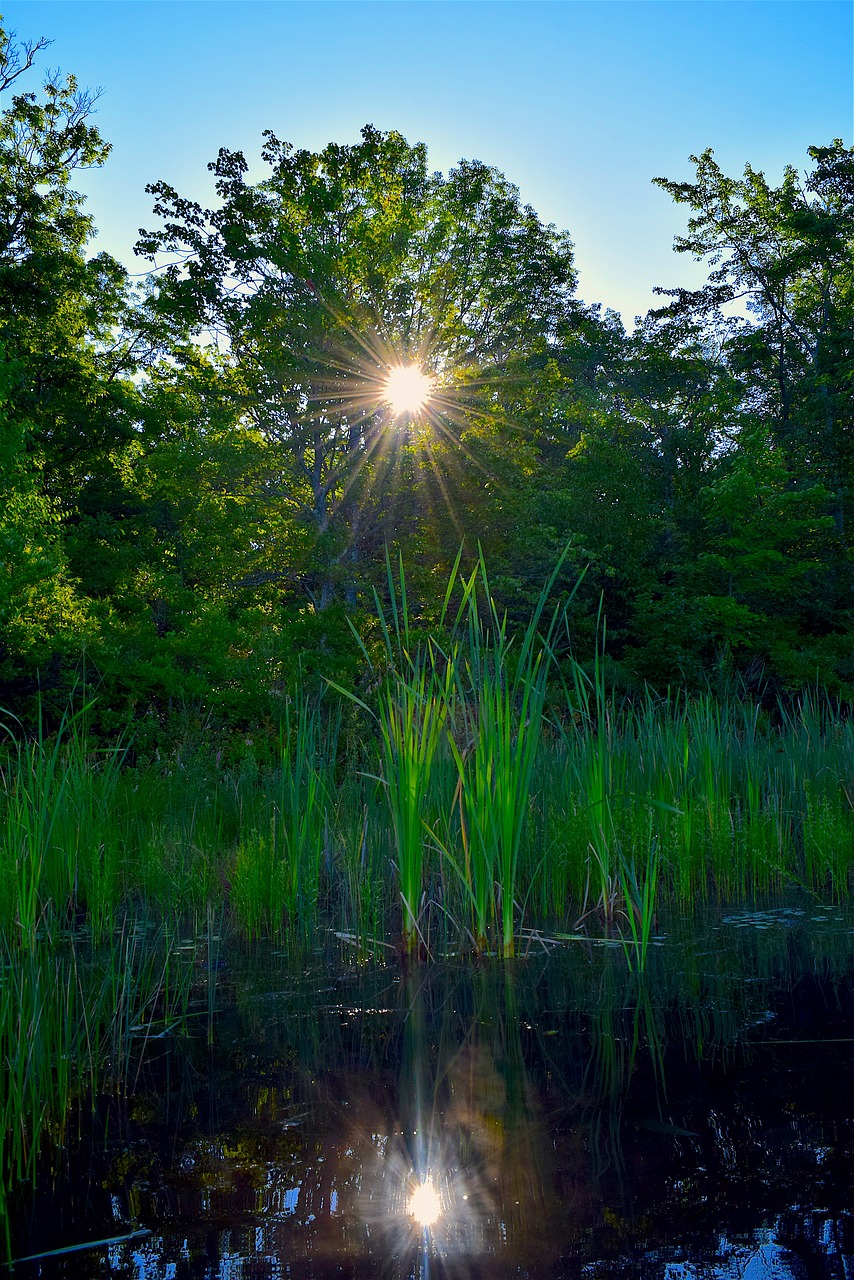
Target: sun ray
{"points": [[368, 402], [442, 488]]}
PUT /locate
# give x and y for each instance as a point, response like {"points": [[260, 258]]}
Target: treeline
{"points": [[201, 478]]}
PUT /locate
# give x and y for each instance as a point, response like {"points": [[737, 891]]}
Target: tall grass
{"points": [[502, 690], [413, 713], [592, 759], [482, 785], [414, 704], [61, 841], [277, 876], [73, 1021]]}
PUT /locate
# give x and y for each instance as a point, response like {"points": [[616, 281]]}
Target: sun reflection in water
{"points": [[424, 1204]]}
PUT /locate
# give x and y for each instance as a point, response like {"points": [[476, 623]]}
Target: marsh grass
{"points": [[591, 757], [488, 778], [75, 1018], [493, 777], [414, 704], [501, 688], [480, 790], [276, 880]]}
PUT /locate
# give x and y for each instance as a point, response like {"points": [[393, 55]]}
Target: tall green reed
{"points": [[413, 713], [278, 871], [590, 743], [502, 691], [62, 839], [415, 699], [32, 794]]}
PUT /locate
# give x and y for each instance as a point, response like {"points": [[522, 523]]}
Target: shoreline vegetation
{"points": [[486, 797], [483, 783]]}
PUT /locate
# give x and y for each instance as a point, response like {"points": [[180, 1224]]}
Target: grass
{"points": [[485, 780], [74, 1020], [275, 882], [503, 692], [483, 786], [473, 796]]}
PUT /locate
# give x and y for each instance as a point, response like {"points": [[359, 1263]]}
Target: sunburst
{"points": [[407, 389], [370, 394]]}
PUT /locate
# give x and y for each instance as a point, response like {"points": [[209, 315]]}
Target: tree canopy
{"points": [[202, 478], [334, 268]]}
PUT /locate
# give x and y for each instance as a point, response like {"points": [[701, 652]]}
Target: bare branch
{"points": [[15, 59]]}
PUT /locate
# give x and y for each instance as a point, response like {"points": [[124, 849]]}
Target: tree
{"points": [[337, 266], [67, 403], [788, 252], [40, 604]]}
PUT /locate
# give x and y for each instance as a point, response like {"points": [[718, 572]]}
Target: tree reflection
{"points": [[564, 1114]]}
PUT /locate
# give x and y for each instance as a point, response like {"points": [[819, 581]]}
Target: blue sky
{"points": [[580, 103]]}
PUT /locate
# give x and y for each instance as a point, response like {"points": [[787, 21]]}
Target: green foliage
{"points": [[40, 604], [346, 262], [191, 527], [789, 250]]}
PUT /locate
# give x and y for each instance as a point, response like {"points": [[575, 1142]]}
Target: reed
{"points": [[276, 879], [414, 704], [33, 788], [502, 691], [456, 794], [590, 748], [412, 717], [640, 889]]}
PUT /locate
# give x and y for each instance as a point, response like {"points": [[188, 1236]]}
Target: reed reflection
{"points": [[487, 1121]]}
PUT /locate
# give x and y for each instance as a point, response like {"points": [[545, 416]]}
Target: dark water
{"points": [[573, 1119]]}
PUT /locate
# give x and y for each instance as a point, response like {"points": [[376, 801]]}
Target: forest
{"points": [[202, 480]]}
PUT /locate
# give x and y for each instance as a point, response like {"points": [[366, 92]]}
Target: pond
{"points": [[555, 1116]]}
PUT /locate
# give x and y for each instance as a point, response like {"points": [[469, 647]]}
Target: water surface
{"points": [[574, 1118]]}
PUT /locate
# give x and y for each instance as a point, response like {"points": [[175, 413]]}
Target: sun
{"points": [[407, 389]]}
